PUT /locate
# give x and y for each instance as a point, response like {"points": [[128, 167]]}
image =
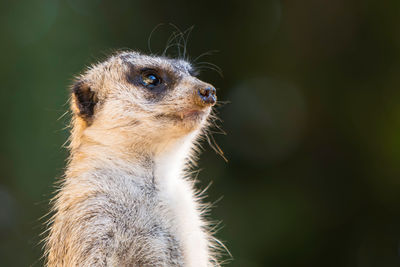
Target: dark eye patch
{"points": [[153, 79]]}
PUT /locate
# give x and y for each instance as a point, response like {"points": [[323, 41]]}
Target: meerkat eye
{"points": [[150, 79]]}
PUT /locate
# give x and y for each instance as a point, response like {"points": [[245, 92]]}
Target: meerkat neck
{"points": [[162, 160], [170, 161]]}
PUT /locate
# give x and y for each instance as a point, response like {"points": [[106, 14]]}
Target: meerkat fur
{"points": [[125, 198]]}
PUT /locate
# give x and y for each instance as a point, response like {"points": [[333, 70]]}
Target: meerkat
{"points": [[125, 199]]}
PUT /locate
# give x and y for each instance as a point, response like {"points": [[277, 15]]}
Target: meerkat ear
{"points": [[84, 98]]}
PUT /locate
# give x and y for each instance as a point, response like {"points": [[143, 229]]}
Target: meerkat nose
{"points": [[208, 95]]}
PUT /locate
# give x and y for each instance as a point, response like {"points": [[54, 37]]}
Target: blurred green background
{"points": [[313, 119]]}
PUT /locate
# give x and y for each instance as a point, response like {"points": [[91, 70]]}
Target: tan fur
{"points": [[124, 200]]}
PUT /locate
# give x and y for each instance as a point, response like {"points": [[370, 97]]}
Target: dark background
{"points": [[313, 123]]}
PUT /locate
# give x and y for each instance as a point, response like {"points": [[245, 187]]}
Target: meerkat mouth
{"points": [[194, 115], [191, 114]]}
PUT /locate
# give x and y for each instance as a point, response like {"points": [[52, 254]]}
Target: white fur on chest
{"points": [[178, 194]]}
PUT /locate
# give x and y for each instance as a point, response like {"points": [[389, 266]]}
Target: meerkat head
{"points": [[144, 98]]}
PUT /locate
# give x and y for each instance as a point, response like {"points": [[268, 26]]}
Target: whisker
{"points": [[214, 146], [210, 64], [208, 53], [151, 34], [186, 40], [179, 35], [217, 70], [169, 44]]}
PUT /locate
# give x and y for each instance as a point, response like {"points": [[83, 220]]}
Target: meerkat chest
{"points": [[177, 193]]}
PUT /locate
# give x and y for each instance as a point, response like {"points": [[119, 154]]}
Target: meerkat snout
{"points": [[208, 95]]}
